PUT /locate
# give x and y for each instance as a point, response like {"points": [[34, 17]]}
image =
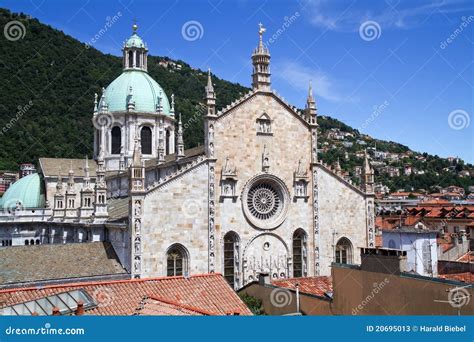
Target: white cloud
{"points": [[298, 77], [389, 14]]}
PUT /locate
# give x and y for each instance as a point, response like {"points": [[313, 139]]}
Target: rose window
{"points": [[265, 201]]}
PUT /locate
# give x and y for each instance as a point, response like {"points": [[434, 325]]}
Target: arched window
{"points": [[231, 257], [146, 140], [138, 59], [177, 261], [168, 141], [343, 251], [130, 59], [299, 253], [116, 140], [27, 242]]}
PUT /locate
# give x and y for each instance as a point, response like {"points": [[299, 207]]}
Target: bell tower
{"points": [[261, 64]]}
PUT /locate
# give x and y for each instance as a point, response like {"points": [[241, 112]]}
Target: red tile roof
{"points": [[466, 277], [154, 306], [468, 257], [207, 292], [311, 285]]}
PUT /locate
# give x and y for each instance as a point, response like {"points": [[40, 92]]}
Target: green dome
{"points": [[135, 41], [27, 191], [145, 92]]}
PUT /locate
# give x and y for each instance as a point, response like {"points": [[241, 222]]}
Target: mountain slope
{"points": [[46, 101]]}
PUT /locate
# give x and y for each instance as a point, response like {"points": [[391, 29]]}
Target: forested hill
{"points": [[48, 81]]}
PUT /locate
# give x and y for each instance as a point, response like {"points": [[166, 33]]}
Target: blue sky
{"points": [[397, 70]]}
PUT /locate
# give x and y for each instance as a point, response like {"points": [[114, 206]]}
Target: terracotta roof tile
{"points": [[466, 277], [311, 285], [208, 292]]}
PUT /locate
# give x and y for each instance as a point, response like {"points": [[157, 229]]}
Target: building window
{"points": [[130, 59], [176, 261], [343, 251], [116, 140], [146, 140], [299, 253], [231, 258], [168, 142]]}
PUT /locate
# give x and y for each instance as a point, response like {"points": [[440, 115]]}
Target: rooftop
{"points": [[43, 263], [317, 286], [204, 293]]}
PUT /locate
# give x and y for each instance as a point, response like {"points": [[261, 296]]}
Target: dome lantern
{"points": [[135, 52]]}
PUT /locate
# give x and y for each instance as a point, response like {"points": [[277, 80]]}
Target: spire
{"points": [[59, 184], [103, 103], [130, 102], [210, 95], [137, 152], [70, 182], [161, 145], [172, 105], [159, 106], [96, 108], [180, 144], [261, 64], [311, 111], [87, 177], [367, 175]]}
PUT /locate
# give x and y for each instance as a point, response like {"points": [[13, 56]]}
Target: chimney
{"points": [[80, 308], [56, 311], [264, 279]]}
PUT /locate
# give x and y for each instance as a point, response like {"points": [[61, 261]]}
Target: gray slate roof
{"points": [[20, 264]]}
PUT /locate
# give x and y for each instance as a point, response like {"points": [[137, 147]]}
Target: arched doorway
{"points": [[343, 251]]}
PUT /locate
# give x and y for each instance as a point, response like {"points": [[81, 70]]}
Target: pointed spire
{"points": [[103, 103], [96, 108], [367, 175], [87, 177], [161, 145], [137, 152], [172, 105], [159, 106], [130, 102], [311, 111], [180, 143], [70, 182], [261, 64], [59, 184], [210, 95]]}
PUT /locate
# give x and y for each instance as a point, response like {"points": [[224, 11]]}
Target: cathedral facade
{"points": [[254, 199]]}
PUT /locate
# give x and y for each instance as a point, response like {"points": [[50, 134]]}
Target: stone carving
{"points": [[138, 208], [212, 247], [228, 180], [300, 182], [265, 159], [316, 221]]}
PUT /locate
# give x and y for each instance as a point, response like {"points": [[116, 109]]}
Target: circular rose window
{"points": [[265, 201]]}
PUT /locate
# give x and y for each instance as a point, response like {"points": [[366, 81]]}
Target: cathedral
{"points": [[253, 199]]}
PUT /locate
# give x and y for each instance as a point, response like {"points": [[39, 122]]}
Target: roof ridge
{"points": [[120, 281], [184, 306]]}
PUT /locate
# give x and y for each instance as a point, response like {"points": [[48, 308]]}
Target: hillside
{"points": [[49, 81]]}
